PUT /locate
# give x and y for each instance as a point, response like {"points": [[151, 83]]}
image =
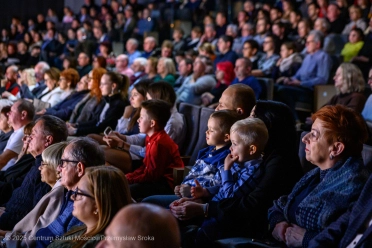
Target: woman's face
{"points": [[84, 203], [354, 15], [317, 147], [105, 86], [285, 52], [50, 83], [148, 68], [136, 98], [370, 78], [353, 37], [63, 84], [302, 29], [90, 80], [48, 174], [4, 122], [161, 67], [340, 81]]}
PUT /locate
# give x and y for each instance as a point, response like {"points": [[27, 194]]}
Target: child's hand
{"points": [[177, 191], [229, 161], [198, 191], [185, 190]]}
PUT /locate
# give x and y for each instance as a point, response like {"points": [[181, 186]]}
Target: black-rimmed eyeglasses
{"points": [[76, 195], [62, 162]]}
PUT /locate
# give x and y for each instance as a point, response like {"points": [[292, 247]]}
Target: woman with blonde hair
{"points": [[166, 71], [96, 202], [150, 69], [207, 50], [47, 209], [83, 111], [349, 83]]}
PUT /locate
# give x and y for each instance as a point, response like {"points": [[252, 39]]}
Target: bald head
{"points": [[140, 226], [238, 97]]}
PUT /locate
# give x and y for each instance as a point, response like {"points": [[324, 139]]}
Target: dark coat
{"points": [[114, 112], [64, 109], [341, 232]]}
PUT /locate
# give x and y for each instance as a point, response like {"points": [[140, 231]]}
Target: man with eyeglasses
{"points": [[314, 71], [47, 131], [77, 156]]}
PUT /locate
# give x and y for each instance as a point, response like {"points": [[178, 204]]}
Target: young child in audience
{"points": [[241, 172], [209, 159], [155, 176]]}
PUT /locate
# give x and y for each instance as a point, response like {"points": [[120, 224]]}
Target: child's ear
{"points": [[226, 137], [152, 123], [252, 149]]}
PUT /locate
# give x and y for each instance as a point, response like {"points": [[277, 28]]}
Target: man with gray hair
{"points": [[149, 45], [78, 155], [314, 71], [138, 68], [197, 83], [121, 65], [48, 130], [40, 69], [132, 52]]}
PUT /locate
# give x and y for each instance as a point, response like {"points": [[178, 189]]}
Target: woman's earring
{"points": [[95, 212]]}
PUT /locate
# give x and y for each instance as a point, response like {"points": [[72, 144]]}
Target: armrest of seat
{"points": [[178, 175]]}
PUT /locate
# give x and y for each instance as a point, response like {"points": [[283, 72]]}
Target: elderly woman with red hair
{"points": [[334, 145], [225, 75], [67, 82]]}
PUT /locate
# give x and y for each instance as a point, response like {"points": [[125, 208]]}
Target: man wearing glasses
{"points": [[314, 70], [47, 131], [77, 156]]}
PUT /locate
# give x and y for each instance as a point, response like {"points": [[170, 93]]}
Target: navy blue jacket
{"points": [[64, 109], [229, 56], [343, 231], [24, 198]]}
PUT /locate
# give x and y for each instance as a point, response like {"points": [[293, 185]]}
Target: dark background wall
{"points": [[26, 9]]}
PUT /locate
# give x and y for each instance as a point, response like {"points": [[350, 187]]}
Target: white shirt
{"points": [[14, 144]]}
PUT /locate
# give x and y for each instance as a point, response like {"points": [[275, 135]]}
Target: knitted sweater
{"points": [[338, 188], [24, 198]]}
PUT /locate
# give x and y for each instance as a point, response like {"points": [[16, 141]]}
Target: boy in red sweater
{"points": [[155, 176]]}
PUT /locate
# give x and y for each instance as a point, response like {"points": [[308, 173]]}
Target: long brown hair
{"points": [[141, 87]]}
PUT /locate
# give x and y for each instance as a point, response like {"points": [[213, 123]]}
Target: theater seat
{"points": [[367, 156], [192, 118], [267, 85], [322, 94], [203, 126]]}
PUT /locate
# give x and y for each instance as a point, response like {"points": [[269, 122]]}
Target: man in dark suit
{"points": [[130, 23], [353, 228]]}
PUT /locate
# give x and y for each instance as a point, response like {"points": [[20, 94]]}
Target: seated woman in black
{"points": [[114, 88]]}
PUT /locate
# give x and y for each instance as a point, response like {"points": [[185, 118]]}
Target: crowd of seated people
{"points": [[89, 127]]}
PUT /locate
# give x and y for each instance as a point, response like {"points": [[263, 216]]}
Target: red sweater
{"points": [[15, 88], [161, 157]]}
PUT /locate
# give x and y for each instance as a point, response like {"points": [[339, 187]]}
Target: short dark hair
{"points": [[5, 110], [87, 151], [254, 44], [54, 126], [163, 91], [27, 106], [227, 38], [226, 118], [158, 110]]}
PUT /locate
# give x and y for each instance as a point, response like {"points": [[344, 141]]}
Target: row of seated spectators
{"points": [[150, 132]]}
